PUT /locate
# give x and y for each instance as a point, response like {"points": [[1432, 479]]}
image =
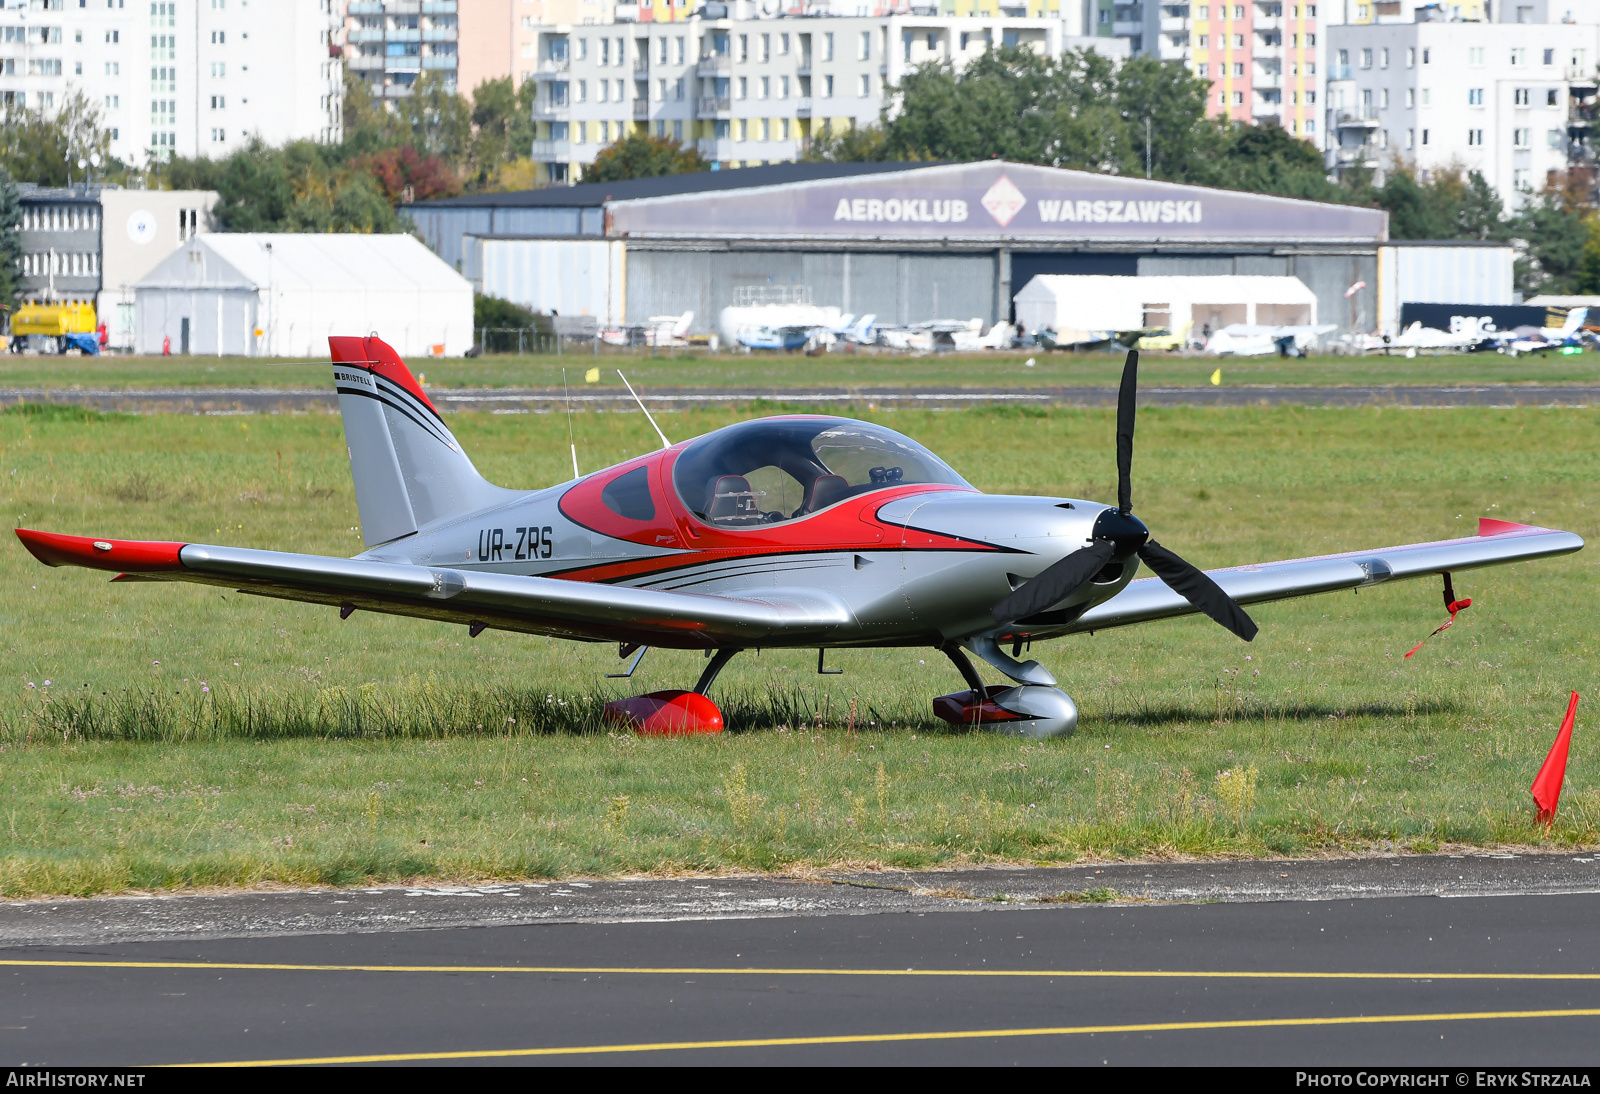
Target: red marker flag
{"points": [[1547, 784]]}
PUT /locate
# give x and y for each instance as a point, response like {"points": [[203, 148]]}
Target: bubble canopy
{"points": [[781, 469]]}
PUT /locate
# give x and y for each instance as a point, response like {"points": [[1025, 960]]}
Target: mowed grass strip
{"points": [[774, 373], [159, 736]]}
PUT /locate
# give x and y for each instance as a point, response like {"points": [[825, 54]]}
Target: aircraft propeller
{"points": [[1118, 535]]}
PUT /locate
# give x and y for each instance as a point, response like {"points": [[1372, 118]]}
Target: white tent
{"points": [[1181, 304], [284, 294]]}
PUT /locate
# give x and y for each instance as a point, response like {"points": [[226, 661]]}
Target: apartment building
{"points": [[1261, 56], [1498, 98], [179, 77], [678, 11], [747, 91], [389, 43]]}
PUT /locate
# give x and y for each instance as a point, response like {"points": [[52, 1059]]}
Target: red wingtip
{"points": [[133, 556], [1488, 527], [380, 357]]}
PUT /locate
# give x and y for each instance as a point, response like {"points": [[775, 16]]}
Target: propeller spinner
{"points": [[1117, 536]]}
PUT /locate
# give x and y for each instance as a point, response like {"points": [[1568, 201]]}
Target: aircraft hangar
{"points": [[906, 242]]}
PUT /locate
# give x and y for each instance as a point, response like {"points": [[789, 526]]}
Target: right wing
{"points": [[1497, 543], [533, 605]]}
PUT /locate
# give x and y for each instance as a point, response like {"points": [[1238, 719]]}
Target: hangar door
{"points": [[898, 288]]}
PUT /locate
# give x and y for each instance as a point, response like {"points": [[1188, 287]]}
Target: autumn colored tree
{"points": [[641, 157]]}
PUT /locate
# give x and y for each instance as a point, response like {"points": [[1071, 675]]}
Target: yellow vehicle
{"points": [[1165, 339], [69, 325], [53, 320]]}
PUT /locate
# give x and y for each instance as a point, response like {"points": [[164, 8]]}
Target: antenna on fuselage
{"points": [[567, 399], [664, 442]]}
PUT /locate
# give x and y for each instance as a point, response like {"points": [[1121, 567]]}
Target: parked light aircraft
{"points": [[1251, 340], [798, 531]]}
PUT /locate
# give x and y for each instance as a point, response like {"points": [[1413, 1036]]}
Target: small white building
{"points": [[283, 295], [1185, 305]]}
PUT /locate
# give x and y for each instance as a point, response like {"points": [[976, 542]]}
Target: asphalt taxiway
{"points": [[1373, 961]]}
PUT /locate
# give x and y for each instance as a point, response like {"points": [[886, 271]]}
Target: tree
{"points": [[503, 316], [858, 144], [1268, 160], [300, 187], [10, 241], [1452, 204], [404, 175], [640, 157], [435, 120], [502, 117], [1082, 110], [1551, 239], [368, 125], [44, 146]]}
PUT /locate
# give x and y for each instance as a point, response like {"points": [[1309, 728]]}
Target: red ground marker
{"points": [[1547, 784]]}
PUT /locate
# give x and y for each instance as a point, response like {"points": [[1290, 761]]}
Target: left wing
{"points": [[1497, 543], [533, 605]]}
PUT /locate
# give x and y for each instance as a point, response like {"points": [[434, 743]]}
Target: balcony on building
{"points": [[712, 106], [403, 7], [439, 34], [438, 7], [359, 35], [442, 61], [552, 151], [802, 108], [1354, 119], [365, 7], [554, 102], [717, 64], [365, 61], [641, 109], [716, 150], [403, 62]]}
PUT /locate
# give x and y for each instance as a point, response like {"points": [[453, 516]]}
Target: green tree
{"points": [[44, 146], [368, 124], [300, 187], [858, 144], [10, 241], [1553, 239], [435, 120], [502, 119], [1450, 205], [1268, 160], [1084, 111], [500, 316], [640, 157]]}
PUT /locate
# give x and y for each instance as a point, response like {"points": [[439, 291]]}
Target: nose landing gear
{"points": [[1024, 710]]}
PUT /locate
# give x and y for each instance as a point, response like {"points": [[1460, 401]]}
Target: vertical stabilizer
{"points": [[409, 470]]}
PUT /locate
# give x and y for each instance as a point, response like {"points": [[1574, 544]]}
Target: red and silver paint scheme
{"points": [[797, 531]]}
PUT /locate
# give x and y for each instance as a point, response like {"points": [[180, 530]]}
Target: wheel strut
{"points": [[719, 659]]}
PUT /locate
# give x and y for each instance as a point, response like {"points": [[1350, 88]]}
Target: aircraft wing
{"points": [[533, 605], [1497, 543]]}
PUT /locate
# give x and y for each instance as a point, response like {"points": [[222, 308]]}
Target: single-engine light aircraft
{"points": [[796, 531]]}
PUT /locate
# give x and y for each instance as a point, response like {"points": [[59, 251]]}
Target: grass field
{"points": [[774, 372], [155, 736]]}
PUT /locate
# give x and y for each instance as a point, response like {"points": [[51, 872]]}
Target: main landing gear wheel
{"points": [[673, 713], [1023, 710]]}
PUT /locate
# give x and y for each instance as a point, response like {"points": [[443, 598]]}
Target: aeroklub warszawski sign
{"points": [[996, 200]]}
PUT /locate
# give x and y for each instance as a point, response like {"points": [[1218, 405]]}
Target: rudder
{"points": [[409, 469]]}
